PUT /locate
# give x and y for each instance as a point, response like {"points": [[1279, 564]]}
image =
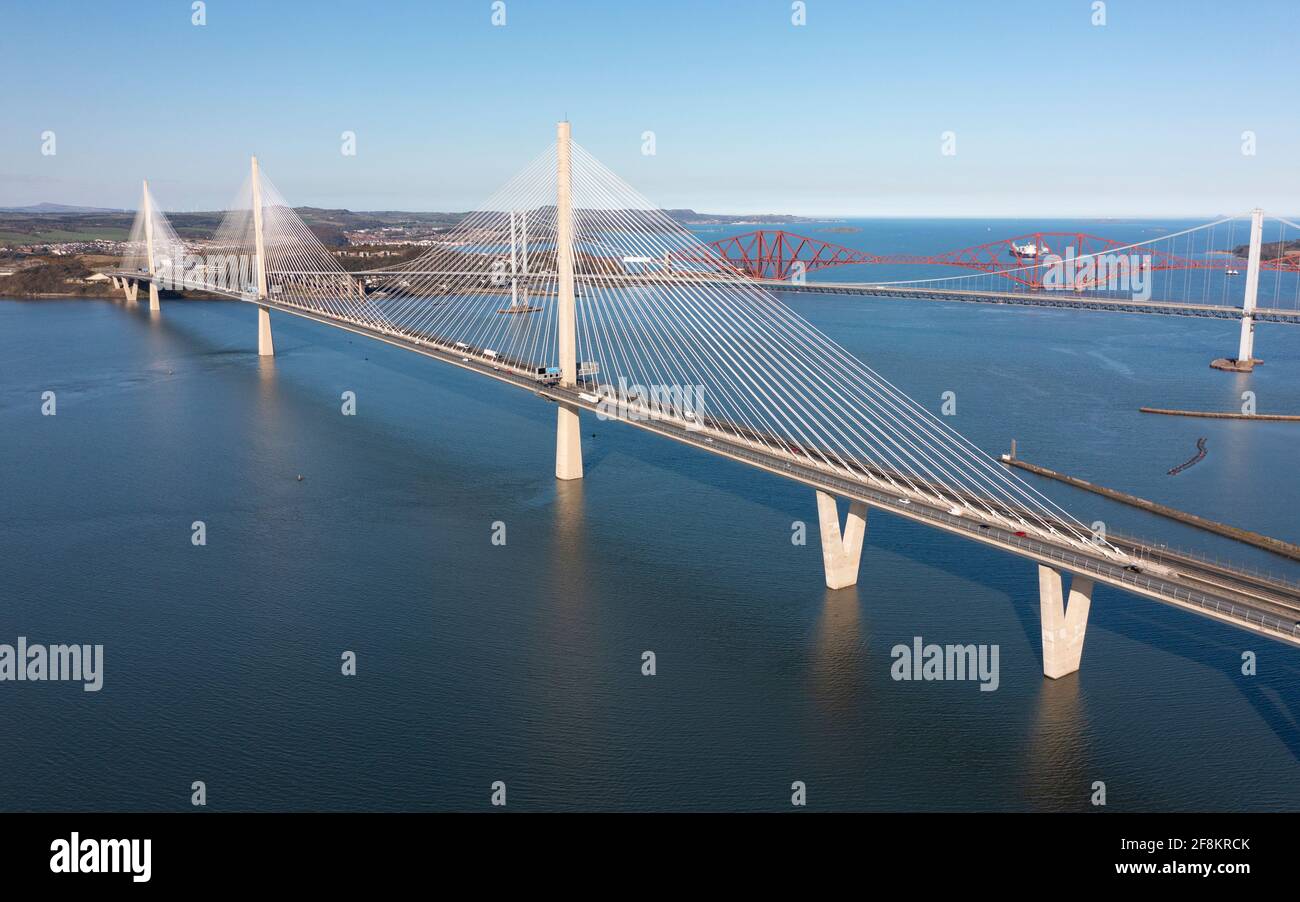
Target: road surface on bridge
{"points": [[1248, 601], [1060, 299]]}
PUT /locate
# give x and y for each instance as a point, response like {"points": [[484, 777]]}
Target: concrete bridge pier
{"points": [[1064, 625], [131, 289], [265, 344], [153, 298], [841, 552], [568, 444]]}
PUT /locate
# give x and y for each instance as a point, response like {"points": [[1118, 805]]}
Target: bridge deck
{"points": [[1239, 598], [1057, 299], [1038, 299]]}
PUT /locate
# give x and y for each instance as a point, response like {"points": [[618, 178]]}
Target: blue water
{"points": [[522, 662]]}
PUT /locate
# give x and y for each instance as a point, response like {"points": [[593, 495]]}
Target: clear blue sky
{"points": [[844, 115]]}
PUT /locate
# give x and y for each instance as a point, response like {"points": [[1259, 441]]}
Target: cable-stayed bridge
{"points": [[570, 285]]}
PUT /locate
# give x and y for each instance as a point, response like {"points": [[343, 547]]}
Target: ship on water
{"points": [[1029, 251]]}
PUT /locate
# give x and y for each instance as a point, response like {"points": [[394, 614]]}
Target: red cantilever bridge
{"points": [[779, 255]]}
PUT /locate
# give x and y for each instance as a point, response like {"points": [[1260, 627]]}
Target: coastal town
{"points": [[49, 250]]}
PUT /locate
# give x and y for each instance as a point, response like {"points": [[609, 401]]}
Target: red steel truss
{"points": [[778, 254]]}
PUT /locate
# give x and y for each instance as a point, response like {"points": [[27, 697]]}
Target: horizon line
{"points": [[90, 209]]}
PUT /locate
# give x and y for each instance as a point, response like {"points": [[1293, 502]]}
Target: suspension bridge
{"points": [[1027, 270], [570, 285], [778, 254]]}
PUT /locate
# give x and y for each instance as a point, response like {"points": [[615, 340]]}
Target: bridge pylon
{"points": [[1245, 360], [1246, 344], [147, 206], [265, 343], [841, 551], [1064, 624], [568, 436]]}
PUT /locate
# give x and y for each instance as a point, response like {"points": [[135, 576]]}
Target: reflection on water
{"points": [[565, 687], [1056, 748], [569, 536], [838, 653], [570, 581], [266, 376]]}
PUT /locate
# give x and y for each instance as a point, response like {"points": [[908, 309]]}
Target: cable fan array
{"points": [[656, 309], [150, 222], [299, 269]]}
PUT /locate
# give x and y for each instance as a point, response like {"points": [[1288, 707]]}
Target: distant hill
{"points": [[58, 208], [690, 217], [47, 223], [352, 219], [1269, 250]]}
